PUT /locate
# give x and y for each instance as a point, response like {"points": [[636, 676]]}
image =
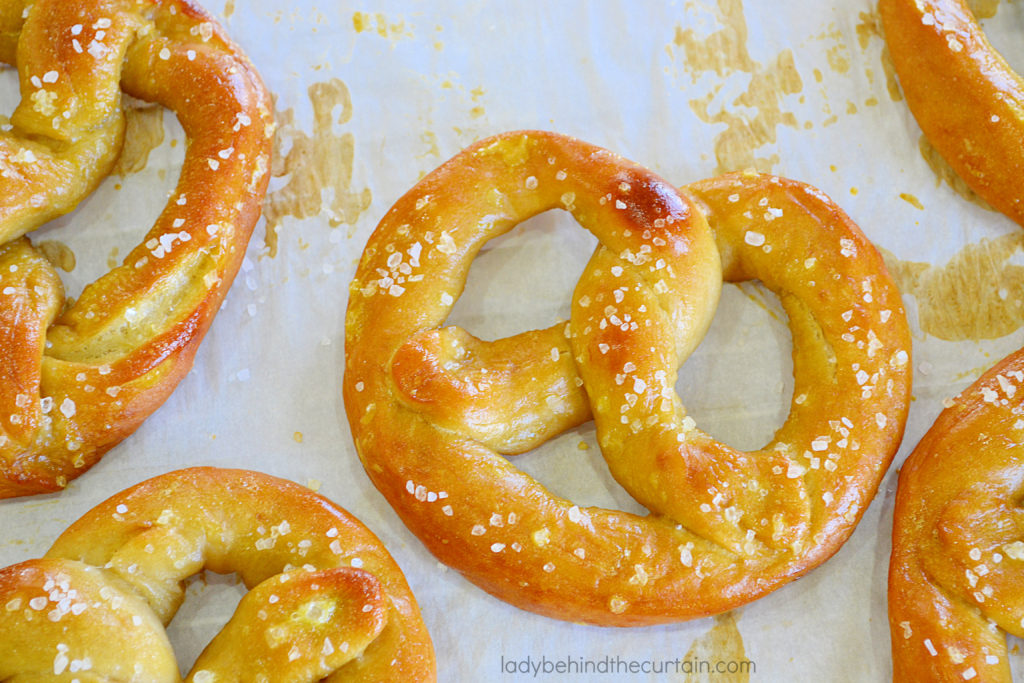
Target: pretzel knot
{"points": [[434, 410], [76, 379], [967, 100], [327, 601], [958, 537]]}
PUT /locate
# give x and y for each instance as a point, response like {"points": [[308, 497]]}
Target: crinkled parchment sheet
{"points": [[371, 97]]}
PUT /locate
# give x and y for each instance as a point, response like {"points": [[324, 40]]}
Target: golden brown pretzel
{"points": [[968, 101], [327, 601], [75, 380], [957, 566], [433, 410]]}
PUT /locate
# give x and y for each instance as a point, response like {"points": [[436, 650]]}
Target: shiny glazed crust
{"points": [[966, 98], [434, 411], [958, 537], [77, 379], [327, 601]]}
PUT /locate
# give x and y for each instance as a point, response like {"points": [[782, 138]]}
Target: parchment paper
{"points": [[374, 95]]}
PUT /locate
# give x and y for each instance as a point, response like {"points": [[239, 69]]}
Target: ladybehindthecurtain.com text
{"points": [[568, 665]]}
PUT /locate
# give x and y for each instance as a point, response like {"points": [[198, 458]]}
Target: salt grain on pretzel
{"points": [[958, 537], [76, 379], [968, 101], [434, 411], [327, 601]]}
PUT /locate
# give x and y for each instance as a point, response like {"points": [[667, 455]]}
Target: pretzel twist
{"points": [[958, 537], [77, 379], [967, 100], [327, 601], [434, 410]]}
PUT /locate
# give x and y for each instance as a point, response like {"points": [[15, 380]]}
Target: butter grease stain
{"points": [[723, 643], [724, 52], [318, 166], [983, 9], [377, 23], [912, 200], [58, 254], [869, 27], [144, 132], [977, 294], [944, 173], [837, 56]]}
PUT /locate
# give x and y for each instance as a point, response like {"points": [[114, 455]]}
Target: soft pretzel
{"points": [[434, 410], [76, 379], [968, 101], [327, 601], [957, 562]]}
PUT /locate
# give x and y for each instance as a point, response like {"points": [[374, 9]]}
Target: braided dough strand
{"points": [[725, 527], [957, 565], [326, 602], [967, 100], [82, 377]]}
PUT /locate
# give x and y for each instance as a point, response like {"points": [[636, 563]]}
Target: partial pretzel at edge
{"points": [[326, 599], [965, 97], [79, 379], [955, 574]]}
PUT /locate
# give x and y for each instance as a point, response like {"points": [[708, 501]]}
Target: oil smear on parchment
{"points": [[725, 53], [912, 200], [944, 173], [984, 9], [379, 24], [58, 254], [977, 294], [317, 166], [869, 27], [721, 648], [144, 132]]}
